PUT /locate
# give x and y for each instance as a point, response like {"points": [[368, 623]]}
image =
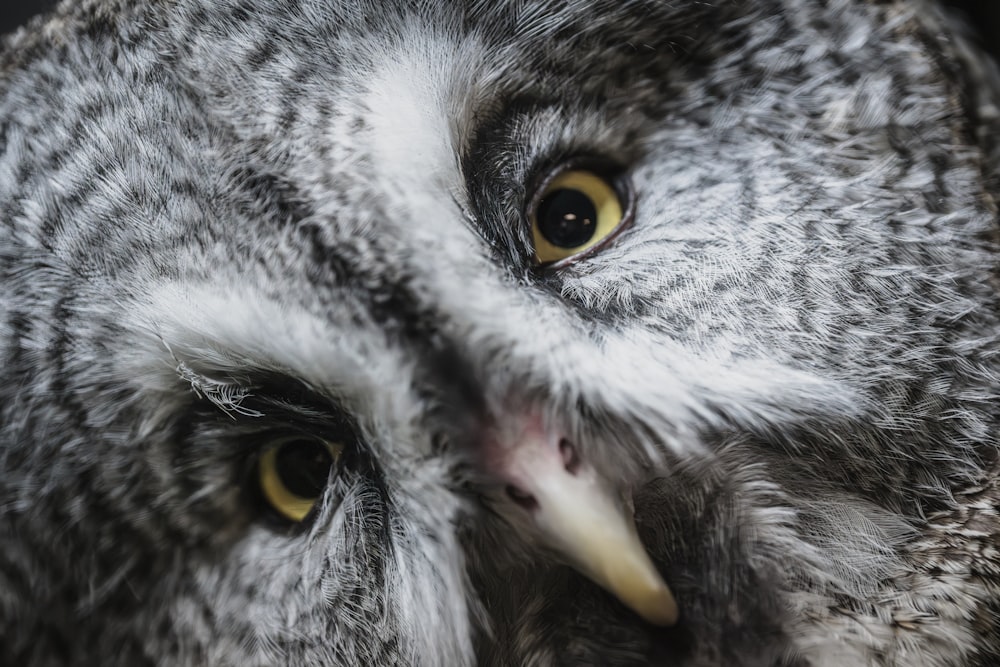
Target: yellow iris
{"points": [[577, 210], [292, 475]]}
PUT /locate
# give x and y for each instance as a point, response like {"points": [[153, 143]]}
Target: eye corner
{"points": [[582, 172]]}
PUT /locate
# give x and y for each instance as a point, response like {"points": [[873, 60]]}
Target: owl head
{"points": [[607, 333]]}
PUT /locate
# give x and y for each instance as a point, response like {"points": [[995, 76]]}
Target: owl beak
{"points": [[588, 525]]}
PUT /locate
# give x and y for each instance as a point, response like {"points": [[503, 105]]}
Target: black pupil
{"points": [[567, 218], [304, 467]]}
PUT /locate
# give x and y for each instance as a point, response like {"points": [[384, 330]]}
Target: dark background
{"points": [[983, 15], [15, 12]]}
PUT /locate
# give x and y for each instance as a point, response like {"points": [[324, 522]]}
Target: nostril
{"points": [[525, 500], [571, 460]]}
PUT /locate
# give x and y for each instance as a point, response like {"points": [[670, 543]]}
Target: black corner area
{"points": [[16, 12]]}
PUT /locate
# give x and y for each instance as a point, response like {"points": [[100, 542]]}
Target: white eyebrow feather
{"points": [[204, 327]]}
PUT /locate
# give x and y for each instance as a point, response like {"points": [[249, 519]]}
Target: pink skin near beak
{"points": [[579, 517]]}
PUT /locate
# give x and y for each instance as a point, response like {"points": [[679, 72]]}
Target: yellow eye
{"points": [[576, 212], [293, 474]]}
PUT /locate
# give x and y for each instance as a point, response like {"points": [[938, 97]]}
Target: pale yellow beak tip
{"points": [[630, 575], [657, 607], [594, 530], [597, 535]]}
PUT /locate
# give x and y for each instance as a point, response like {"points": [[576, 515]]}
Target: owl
{"points": [[592, 332]]}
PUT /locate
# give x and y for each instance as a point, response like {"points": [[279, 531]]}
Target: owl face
{"points": [[602, 333]]}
